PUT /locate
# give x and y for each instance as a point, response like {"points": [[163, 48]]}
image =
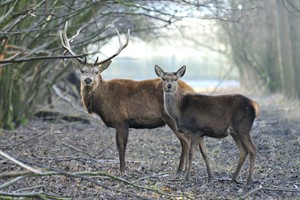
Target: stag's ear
{"points": [[104, 66], [159, 72], [181, 72]]}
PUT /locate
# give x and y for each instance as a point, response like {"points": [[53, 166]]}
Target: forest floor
{"points": [[80, 161]]}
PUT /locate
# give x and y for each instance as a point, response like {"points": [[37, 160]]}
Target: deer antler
{"points": [[122, 46], [66, 44]]}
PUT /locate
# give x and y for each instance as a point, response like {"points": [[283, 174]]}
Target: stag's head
{"points": [[170, 84], [90, 72]]}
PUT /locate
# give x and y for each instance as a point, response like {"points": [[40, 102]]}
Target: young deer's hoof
{"points": [[187, 177], [181, 172], [209, 179], [235, 181], [249, 182]]}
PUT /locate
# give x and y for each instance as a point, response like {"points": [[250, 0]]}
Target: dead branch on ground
{"points": [[86, 176], [41, 195], [261, 187], [5, 155]]}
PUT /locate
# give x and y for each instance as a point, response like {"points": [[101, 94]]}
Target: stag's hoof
{"points": [[121, 173]]}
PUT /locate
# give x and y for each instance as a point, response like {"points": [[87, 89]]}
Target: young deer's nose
{"points": [[169, 86], [88, 80]]}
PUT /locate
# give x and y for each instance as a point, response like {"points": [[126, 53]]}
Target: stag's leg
{"points": [[203, 150], [194, 144], [122, 138], [252, 150], [243, 154], [185, 144]]}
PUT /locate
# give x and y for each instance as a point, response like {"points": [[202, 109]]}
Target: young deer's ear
{"points": [[104, 66], [181, 72], [159, 72]]}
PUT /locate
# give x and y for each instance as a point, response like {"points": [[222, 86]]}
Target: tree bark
{"points": [[285, 49]]}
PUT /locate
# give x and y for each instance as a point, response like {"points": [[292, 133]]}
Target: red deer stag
{"points": [[124, 103], [212, 116]]}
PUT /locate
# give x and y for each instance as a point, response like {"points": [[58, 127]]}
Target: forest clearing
{"points": [[84, 159], [60, 60]]}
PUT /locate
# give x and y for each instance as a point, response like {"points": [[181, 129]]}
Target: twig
{"points": [[30, 188], [103, 150], [4, 185], [222, 79], [69, 101], [40, 195], [269, 189], [102, 173], [39, 58], [150, 176], [20, 163], [8, 147], [83, 176], [81, 159], [76, 149], [77, 175], [14, 174]]}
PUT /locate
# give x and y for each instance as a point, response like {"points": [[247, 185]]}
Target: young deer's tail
{"points": [[256, 108]]}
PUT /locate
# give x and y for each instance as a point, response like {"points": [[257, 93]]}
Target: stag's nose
{"points": [[169, 86], [88, 80]]}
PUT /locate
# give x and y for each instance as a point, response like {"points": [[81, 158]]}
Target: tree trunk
{"points": [[286, 55]]}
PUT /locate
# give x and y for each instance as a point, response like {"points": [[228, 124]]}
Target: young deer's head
{"points": [[91, 72], [170, 84]]}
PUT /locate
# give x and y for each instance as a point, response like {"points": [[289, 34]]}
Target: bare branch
{"points": [[39, 58], [5, 155], [267, 189], [40, 195], [8, 147]]}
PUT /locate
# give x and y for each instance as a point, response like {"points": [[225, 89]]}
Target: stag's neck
{"points": [[93, 97], [172, 103]]}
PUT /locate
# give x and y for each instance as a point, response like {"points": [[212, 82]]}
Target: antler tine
{"points": [[96, 61], [66, 42], [122, 46]]}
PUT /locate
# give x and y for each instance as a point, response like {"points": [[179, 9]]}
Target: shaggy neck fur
{"points": [[172, 103], [92, 96]]}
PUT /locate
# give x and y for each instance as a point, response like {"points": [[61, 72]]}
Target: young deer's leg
{"points": [[194, 144], [122, 138], [203, 150], [252, 150], [243, 154], [185, 144]]}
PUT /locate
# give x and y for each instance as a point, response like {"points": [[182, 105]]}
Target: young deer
{"points": [[212, 116], [124, 103]]}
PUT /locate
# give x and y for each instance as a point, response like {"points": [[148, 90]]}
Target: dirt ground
{"points": [[85, 159]]}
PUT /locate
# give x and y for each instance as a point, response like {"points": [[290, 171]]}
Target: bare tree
{"points": [[29, 35], [265, 44]]}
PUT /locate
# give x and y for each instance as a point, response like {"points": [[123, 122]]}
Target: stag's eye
{"points": [[96, 72], [82, 71]]}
